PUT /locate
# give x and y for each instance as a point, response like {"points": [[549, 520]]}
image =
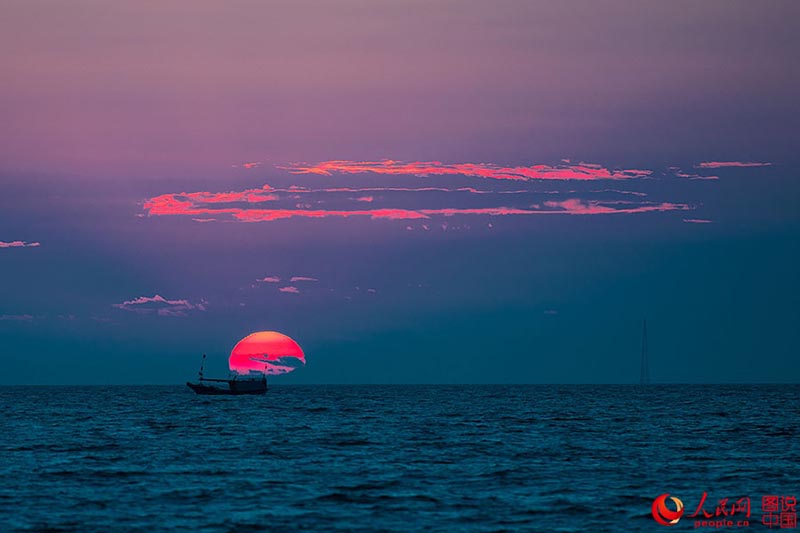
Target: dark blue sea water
{"points": [[449, 458]]}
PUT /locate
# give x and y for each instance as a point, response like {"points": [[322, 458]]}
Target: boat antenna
{"points": [[202, 364], [644, 371]]}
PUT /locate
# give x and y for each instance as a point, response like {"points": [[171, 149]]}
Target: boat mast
{"points": [[644, 372], [202, 364]]}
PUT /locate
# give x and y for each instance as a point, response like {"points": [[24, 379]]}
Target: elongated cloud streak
{"points": [[267, 203], [16, 318], [160, 305], [248, 165], [204, 203], [580, 171], [691, 175], [732, 164], [173, 205], [19, 244], [249, 196], [580, 207], [567, 207]]}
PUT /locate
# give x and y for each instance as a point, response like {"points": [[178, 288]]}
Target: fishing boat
{"points": [[237, 385]]}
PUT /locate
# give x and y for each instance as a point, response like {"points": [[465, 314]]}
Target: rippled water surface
{"points": [[548, 458]]}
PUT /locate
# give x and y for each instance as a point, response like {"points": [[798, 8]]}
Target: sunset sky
{"points": [[416, 192]]}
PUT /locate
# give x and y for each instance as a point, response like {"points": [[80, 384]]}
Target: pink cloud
{"points": [[290, 289], [248, 165], [697, 220], [579, 171], [239, 205], [269, 279], [202, 205], [267, 215], [194, 203], [576, 206], [250, 196], [571, 206], [160, 305], [731, 164], [19, 244], [302, 278], [389, 189]]}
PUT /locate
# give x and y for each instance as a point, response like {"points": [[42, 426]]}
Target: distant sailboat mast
{"points": [[644, 373]]}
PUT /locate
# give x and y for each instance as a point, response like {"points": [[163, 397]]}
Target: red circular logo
{"points": [[663, 514]]}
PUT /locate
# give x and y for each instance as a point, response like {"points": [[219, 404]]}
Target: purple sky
{"points": [[414, 191]]}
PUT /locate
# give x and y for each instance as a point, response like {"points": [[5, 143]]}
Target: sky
{"points": [[415, 192]]}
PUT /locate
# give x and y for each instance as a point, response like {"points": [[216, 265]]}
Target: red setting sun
{"points": [[266, 351]]}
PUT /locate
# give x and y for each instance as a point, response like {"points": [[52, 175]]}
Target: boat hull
{"points": [[232, 388]]}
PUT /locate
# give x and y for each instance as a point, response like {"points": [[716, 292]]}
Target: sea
{"points": [[398, 458]]}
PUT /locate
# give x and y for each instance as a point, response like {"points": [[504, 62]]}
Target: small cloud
{"points": [[697, 221], [691, 175], [301, 278], [290, 289], [19, 244], [550, 312], [732, 164], [279, 365], [16, 318], [161, 306], [269, 279], [365, 198], [204, 219], [248, 165], [373, 291]]}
